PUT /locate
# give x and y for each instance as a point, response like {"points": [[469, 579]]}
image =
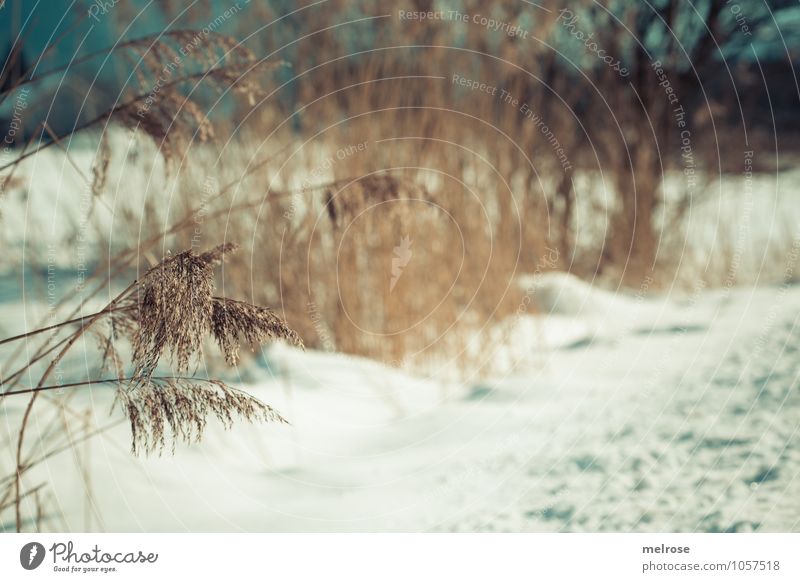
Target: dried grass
{"points": [[367, 192], [176, 312], [164, 411], [232, 320], [175, 307], [171, 309]]}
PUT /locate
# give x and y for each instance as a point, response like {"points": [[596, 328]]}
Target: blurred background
{"points": [[631, 137], [479, 216]]}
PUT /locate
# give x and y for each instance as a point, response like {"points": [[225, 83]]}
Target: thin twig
{"points": [[61, 324], [48, 371], [101, 381]]}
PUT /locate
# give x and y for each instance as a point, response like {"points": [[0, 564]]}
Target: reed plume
{"points": [[175, 313], [163, 411], [172, 310], [231, 320]]}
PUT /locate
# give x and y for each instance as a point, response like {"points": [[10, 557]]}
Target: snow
{"points": [[604, 411], [685, 420]]}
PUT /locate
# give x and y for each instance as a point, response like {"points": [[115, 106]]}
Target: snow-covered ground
{"points": [[621, 413]]}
